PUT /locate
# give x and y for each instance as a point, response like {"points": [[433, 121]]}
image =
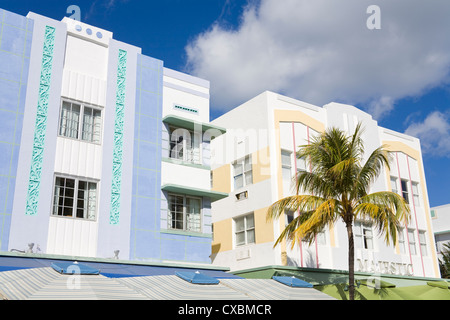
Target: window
{"points": [[301, 164], [286, 171], [242, 172], [394, 185], [286, 165], [185, 145], [433, 213], [423, 243], [75, 198], [289, 217], [401, 241], [184, 213], [86, 127], [412, 241], [415, 192], [404, 184], [363, 235], [244, 230]]}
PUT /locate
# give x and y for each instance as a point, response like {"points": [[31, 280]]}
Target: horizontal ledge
{"points": [[214, 195], [191, 124]]}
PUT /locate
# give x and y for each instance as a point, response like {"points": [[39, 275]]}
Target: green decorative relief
{"points": [[118, 139], [41, 123]]}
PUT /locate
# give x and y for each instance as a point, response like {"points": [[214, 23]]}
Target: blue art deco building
{"points": [[104, 152]]}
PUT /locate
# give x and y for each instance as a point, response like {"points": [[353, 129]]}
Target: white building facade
{"points": [[255, 162]]}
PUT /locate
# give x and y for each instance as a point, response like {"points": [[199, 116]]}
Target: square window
{"points": [[84, 206], [78, 121]]}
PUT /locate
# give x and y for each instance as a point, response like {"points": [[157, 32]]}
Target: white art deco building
{"points": [[254, 162]]}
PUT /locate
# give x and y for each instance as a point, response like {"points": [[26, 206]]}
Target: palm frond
{"points": [[387, 210]]}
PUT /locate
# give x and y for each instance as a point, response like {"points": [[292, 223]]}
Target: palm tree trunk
{"points": [[351, 262]]}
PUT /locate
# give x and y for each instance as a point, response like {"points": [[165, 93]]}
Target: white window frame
{"points": [[59, 200], [246, 173], [80, 127], [186, 224], [402, 241], [247, 229], [363, 235], [394, 187], [405, 191], [423, 243], [415, 193], [190, 145], [412, 241]]}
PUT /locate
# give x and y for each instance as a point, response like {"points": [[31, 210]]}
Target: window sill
{"points": [[80, 140], [186, 233], [73, 218]]}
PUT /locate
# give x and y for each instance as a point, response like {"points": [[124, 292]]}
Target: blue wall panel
{"points": [[146, 199], [15, 47]]}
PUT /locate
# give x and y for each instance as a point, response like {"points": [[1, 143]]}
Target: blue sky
{"points": [[315, 51]]}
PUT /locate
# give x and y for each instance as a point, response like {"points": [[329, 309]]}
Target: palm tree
{"points": [[337, 188], [444, 263]]}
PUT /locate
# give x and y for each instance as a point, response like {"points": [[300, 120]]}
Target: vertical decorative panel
{"points": [[118, 139], [41, 123]]}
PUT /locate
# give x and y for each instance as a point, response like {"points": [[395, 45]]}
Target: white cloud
{"points": [[321, 51], [434, 133]]}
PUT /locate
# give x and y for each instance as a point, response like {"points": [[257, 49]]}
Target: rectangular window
{"points": [[415, 192], [185, 145], [289, 217], [363, 235], [394, 185], [242, 172], [286, 165], [423, 243], [412, 242], [184, 213], [404, 184], [401, 241], [301, 164], [66, 204], [244, 230], [286, 171], [86, 127], [433, 213]]}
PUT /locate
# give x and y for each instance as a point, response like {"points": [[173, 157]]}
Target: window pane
{"points": [[175, 216], [92, 200], [250, 222], [177, 149], [405, 190], [248, 164], [69, 120], [240, 226], [401, 241], [248, 178], [412, 242], [238, 181], [240, 238], [250, 236], [286, 158], [301, 164], [193, 216], [394, 185], [238, 169], [97, 126]]}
